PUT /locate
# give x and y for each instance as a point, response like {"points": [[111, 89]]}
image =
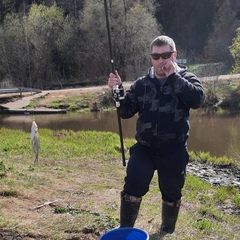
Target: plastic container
{"points": [[125, 234]]}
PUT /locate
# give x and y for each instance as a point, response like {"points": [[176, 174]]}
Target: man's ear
{"points": [[174, 55]]}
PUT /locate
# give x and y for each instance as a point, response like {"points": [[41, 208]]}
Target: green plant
{"points": [[203, 224], [104, 223], [68, 209]]}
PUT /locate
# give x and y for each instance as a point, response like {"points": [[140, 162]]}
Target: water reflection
{"points": [[219, 135], [106, 121], [213, 133]]}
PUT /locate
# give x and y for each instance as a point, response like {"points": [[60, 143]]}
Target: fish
{"points": [[35, 141]]}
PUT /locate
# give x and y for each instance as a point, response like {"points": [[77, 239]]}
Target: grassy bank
{"points": [[81, 173], [97, 100], [222, 93]]}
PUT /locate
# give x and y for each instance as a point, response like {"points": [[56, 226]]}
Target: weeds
{"points": [[102, 223], [203, 224], [205, 157], [69, 209]]}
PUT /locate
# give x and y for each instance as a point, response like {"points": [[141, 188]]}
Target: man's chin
{"points": [[160, 75]]}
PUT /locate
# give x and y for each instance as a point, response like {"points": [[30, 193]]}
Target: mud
{"points": [[217, 176]]}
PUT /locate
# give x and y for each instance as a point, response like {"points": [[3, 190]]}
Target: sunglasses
{"points": [[165, 55]]}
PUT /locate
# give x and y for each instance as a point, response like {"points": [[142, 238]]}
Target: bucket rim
{"points": [[122, 229]]}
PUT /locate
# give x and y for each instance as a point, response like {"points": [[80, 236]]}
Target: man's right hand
{"points": [[114, 79]]}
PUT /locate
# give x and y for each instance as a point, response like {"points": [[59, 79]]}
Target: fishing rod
{"points": [[117, 95]]}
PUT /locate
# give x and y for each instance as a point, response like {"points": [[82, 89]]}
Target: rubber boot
{"points": [[169, 217], [129, 209]]}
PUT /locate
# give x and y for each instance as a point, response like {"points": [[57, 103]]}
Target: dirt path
{"points": [[50, 95]]}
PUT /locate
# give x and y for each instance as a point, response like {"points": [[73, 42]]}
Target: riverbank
{"points": [[221, 91], [74, 191]]}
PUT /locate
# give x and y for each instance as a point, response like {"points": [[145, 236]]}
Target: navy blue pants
{"points": [[171, 169]]}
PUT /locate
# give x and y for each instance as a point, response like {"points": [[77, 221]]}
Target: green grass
{"points": [[76, 103], [205, 157], [84, 173]]}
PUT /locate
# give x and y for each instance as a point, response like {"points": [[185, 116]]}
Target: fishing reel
{"points": [[118, 94]]}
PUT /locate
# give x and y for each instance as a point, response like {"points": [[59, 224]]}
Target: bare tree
{"points": [[132, 25]]}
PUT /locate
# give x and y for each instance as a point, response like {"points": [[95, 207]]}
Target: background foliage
{"points": [[49, 43]]}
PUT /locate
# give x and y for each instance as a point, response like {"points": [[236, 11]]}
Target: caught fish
{"points": [[35, 141]]}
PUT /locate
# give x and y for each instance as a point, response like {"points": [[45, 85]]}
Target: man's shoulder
{"points": [[183, 71], [141, 80]]}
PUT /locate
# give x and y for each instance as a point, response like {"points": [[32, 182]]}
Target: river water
{"points": [[217, 134]]}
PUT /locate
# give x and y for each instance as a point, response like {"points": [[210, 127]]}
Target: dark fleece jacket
{"points": [[163, 109]]}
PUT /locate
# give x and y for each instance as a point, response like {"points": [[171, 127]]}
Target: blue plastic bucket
{"points": [[125, 234]]}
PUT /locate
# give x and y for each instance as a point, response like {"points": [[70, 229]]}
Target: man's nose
{"points": [[160, 59]]}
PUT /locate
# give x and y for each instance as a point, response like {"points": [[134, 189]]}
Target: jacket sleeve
{"points": [[188, 88], [129, 106]]}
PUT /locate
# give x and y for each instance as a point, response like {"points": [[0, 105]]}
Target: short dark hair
{"points": [[163, 40]]}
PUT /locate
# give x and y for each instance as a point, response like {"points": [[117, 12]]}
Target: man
{"points": [[162, 99]]}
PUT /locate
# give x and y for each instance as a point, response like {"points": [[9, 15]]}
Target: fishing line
{"points": [[33, 115]]}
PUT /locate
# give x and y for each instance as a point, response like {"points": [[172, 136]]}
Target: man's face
{"points": [[158, 64]]}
